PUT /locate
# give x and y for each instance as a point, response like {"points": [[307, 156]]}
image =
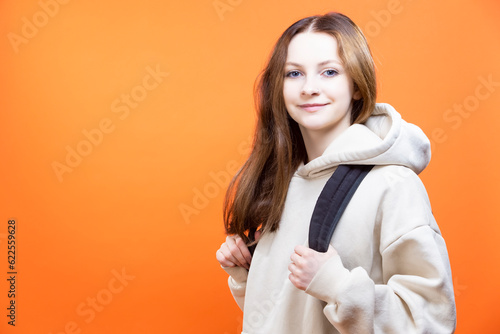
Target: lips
{"points": [[312, 107]]}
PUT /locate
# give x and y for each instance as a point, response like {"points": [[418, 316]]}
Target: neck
{"points": [[316, 142]]}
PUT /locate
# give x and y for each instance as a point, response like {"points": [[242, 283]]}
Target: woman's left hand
{"points": [[306, 263]]}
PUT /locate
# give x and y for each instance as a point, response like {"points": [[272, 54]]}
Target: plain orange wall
{"points": [[144, 200]]}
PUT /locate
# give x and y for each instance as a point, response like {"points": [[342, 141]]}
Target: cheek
{"points": [[349, 88], [286, 93], [341, 91], [290, 91]]}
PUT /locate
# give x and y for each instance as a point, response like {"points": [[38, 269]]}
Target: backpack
{"points": [[331, 204]]}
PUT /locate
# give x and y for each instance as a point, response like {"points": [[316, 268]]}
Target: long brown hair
{"points": [[256, 195]]}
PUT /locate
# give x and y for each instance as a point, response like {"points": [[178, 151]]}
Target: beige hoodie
{"points": [[392, 274]]}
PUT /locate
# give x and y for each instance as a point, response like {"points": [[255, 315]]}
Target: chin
{"points": [[315, 127]]}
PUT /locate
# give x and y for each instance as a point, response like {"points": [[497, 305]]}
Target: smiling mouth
{"points": [[312, 107]]}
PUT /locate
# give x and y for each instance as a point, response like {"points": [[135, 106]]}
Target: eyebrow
{"points": [[320, 64]]}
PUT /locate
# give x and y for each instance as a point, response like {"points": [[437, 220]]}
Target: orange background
{"points": [[120, 207]]}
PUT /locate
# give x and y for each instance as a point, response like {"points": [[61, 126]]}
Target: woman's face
{"points": [[317, 90]]}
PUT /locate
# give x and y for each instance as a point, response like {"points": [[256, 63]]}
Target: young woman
{"points": [[387, 268]]}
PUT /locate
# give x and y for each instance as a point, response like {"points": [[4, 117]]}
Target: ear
{"points": [[356, 95]]}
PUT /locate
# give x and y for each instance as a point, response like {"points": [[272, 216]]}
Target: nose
{"points": [[310, 87]]}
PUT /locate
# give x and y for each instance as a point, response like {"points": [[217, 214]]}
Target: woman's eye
{"points": [[331, 73], [293, 74]]}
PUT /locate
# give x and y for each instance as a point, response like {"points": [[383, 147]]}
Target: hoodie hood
{"points": [[384, 139]]}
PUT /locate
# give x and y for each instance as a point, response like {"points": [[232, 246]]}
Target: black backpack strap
{"points": [[332, 202]]}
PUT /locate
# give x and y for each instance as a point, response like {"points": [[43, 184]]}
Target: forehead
{"points": [[312, 46]]}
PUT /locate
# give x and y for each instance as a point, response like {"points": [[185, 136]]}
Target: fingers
{"points": [[244, 254], [305, 263], [238, 260], [304, 251], [223, 259], [301, 250], [297, 282], [296, 259], [234, 252], [292, 267], [295, 271]]}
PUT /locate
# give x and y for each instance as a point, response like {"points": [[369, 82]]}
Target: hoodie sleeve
{"points": [[416, 295], [237, 282]]}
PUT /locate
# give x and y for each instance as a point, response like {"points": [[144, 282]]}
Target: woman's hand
{"points": [[306, 263], [234, 252]]}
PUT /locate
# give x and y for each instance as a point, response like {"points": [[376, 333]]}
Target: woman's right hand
{"points": [[234, 252]]}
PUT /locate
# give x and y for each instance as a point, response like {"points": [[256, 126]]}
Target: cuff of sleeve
{"points": [[327, 282], [238, 274]]}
